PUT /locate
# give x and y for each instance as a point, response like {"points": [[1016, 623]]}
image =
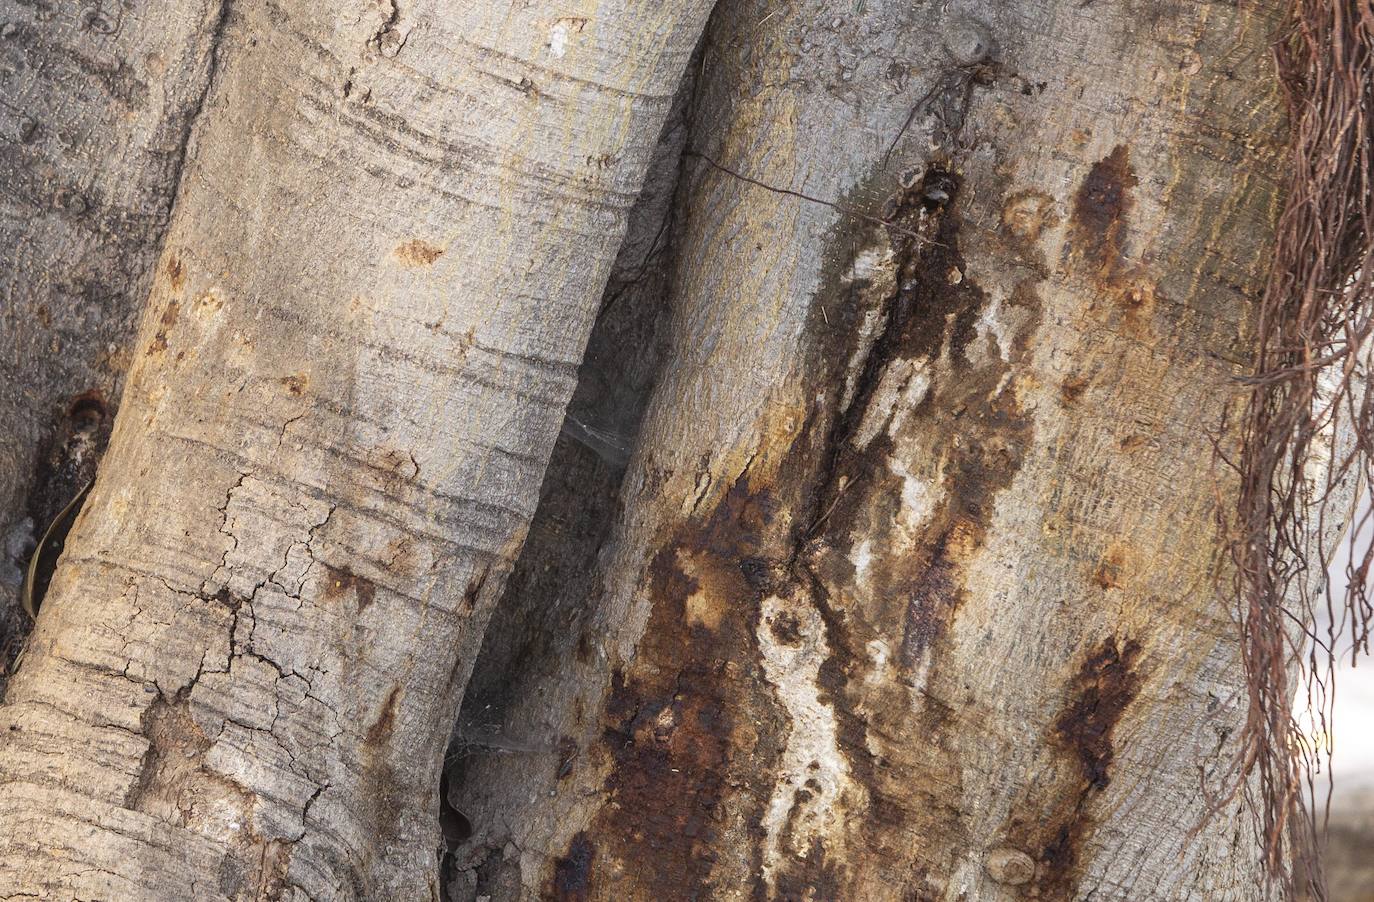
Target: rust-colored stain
{"points": [[176, 273], [572, 874], [1101, 208], [417, 253], [340, 581], [1132, 442], [1106, 683], [380, 731], [295, 384], [1108, 574], [1071, 388], [1099, 230], [387, 793], [674, 724], [165, 324]]}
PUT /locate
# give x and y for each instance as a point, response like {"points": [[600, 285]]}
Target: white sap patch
{"points": [[915, 391], [812, 760], [861, 556], [558, 39], [990, 323], [919, 498], [868, 263], [880, 654], [901, 387]]}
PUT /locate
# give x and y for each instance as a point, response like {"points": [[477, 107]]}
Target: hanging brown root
{"points": [[1307, 433]]}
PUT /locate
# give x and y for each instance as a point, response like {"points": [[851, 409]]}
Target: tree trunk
{"points": [[391, 231], [96, 103], [914, 593]]}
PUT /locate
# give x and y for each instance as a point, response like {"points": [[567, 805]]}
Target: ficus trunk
{"points": [[96, 104], [390, 234], [878, 557], [913, 592]]}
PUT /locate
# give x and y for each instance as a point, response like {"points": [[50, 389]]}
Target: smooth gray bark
{"points": [[391, 233]]}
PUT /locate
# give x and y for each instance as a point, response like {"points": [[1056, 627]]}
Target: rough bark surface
{"points": [[96, 104], [540, 623], [914, 592], [391, 232]]}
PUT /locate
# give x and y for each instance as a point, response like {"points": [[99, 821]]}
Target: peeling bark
{"points": [[387, 245], [913, 595]]}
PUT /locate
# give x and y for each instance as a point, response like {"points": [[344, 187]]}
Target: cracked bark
{"points": [[910, 592], [96, 105], [360, 338]]}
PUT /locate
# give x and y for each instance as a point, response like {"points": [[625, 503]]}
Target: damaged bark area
{"points": [[911, 591], [1107, 682], [177, 784]]}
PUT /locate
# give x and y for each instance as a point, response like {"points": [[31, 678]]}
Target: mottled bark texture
{"points": [[914, 591], [96, 104], [539, 624], [391, 232]]}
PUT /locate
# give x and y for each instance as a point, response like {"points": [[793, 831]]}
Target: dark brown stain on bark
{"points": [[386, 792], [165, 325], [1108, 574], [1098, 233], [786, 629], [933, 318], [473, 590], [176, 273], [1071, 389], [380, 732], [967, 438], [670, 721], [295, 384], [1100, 211], [572, 874], [1106, 683], [340, 581], [932, 602]]}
